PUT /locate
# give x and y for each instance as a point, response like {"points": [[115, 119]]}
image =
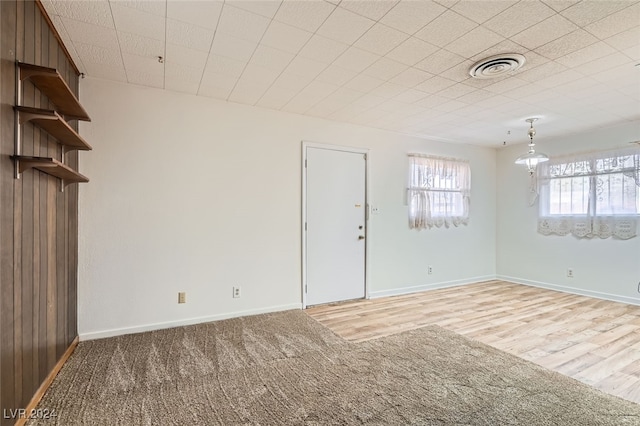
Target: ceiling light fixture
{"points": [[497, 66], [532, 158]]}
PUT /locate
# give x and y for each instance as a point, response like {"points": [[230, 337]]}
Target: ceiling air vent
{"points": [[497, 66]]}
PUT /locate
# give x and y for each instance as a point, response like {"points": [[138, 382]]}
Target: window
{"points": [[591, 195], [438, 191]]}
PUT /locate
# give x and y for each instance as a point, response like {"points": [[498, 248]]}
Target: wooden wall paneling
{"points": [[44, 244], [2, 167], [44, 262], [35, 290], [59, 241], [51, 274], [72, 234], [52, 188], [42, 217], [63, 341], [72, 223], [60, 290], [72, 308], [44, 277], [53, 63], [58, 38], [30, 133], [17, 239], [7, 88], [38, 223]]}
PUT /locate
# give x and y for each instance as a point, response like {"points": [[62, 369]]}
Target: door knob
{"points": [[361, 237]]}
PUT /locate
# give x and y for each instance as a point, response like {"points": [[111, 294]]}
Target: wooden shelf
{"points": [[52, 123], [51, 83], [50, 166]]}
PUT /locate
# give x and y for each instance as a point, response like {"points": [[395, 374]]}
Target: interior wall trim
{"points": [[572, 290], [431, 286], [47, 18], [189, 321], [47, 382]]}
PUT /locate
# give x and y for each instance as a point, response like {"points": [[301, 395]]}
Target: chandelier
{"points": [[532, 158]]}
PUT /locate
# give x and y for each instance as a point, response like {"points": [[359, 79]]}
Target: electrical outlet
{"points": [[182, 297], [429, 269], [570, 273], [236, 292]]}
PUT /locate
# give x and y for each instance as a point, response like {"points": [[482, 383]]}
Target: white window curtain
{"points": [[590, 195], [439, 191]]}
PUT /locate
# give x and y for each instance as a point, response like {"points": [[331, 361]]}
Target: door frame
{"points": [[368, 233]]}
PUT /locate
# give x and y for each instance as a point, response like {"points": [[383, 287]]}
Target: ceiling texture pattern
{"points": [[396, 65]]}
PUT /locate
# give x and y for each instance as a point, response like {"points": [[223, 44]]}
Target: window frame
{"points": [[616, 219], [592, 175], [435, 186]]}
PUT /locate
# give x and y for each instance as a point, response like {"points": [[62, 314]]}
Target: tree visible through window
{"points": [[438, 191], [591, 195]]}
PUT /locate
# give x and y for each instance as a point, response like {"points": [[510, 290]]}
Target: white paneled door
{"points": [[335, 225]]}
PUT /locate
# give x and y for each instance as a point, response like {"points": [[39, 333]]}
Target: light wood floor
{"points": [[592, 340]]}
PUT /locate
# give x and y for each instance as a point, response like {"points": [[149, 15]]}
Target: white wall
{"points": [[198, 195], [607, 268]]}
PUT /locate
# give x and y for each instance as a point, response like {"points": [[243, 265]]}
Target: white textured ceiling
{"points": [[396, 65]]}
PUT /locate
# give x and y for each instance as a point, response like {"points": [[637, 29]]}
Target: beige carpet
{"points": [[285, 368]]}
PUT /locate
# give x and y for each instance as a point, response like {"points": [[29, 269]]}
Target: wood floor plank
{"points": [[578, 364], [592, 340], [631, 392]]}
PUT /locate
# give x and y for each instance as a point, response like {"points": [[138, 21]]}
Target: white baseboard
{"points": [[189, 321], [572, 290], [432, 286], [373, 295]]}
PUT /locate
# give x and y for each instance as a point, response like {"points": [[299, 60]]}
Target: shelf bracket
{"points": [[28, 116], [50, 166], [26, 73]]}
